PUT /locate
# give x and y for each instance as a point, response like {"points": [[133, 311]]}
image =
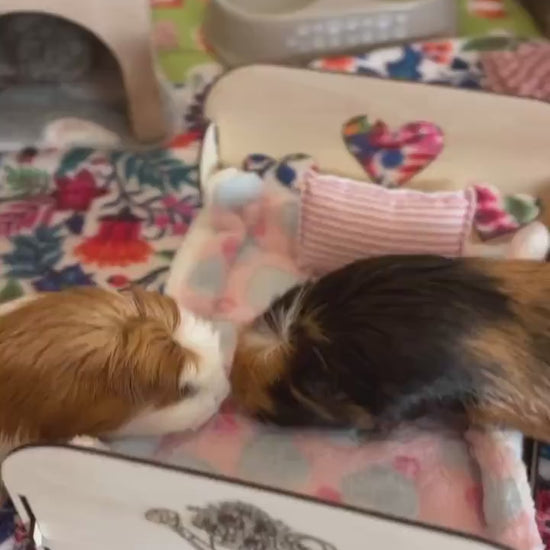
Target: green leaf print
{"points": [[11, 291]]}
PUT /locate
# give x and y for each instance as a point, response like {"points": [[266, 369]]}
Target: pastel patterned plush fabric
{"points": [[343, 219], [241, 253]]}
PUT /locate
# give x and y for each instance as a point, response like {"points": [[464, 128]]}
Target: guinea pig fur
{"points": [[395, 338], [93, 362]]}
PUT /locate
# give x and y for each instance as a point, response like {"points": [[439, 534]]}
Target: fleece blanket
{"points": [[239, 254]]}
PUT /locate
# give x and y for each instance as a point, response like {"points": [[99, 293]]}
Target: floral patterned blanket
{"points": [[92, 217]]}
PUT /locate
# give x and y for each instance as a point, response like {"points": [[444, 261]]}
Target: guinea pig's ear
{"points": [[152, 363]]}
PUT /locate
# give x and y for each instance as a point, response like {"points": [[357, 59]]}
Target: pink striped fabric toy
{"points": [[342, 220]]}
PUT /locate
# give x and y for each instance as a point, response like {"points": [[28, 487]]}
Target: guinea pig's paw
{"points": [[208, 377], [87, 442], [202, 412], [202, 337]]}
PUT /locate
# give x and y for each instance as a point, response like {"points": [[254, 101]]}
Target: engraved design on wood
{"points": [[235, 526]]}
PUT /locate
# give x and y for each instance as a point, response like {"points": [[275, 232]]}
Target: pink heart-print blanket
{"points": [[240, 254]]}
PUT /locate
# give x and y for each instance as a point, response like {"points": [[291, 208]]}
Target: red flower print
{"points": [[16, 216], [183, 207], [185, 139], [76, 192], [543, 501], [179, 228], [162, 221], [20, 534], [440, 52], [118, 281], [543, 524], [177, 216], [118, 242], [340, 63], [488, 9]]}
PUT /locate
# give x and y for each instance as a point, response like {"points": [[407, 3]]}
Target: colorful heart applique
{"points": [[498, 215], [392, 157]]}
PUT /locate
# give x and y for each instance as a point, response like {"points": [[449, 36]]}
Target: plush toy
{"points": [[342, 220]]}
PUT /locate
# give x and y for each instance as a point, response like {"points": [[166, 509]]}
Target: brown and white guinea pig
{"points": [[93, 362], [396, 338]]}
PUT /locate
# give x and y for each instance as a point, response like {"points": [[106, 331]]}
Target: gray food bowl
{"points": [[250, 31]]}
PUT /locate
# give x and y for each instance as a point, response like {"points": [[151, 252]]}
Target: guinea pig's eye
{"points": [[188, 391]]}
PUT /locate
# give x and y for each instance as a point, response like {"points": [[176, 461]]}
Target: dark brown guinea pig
{"points": [[396, 338]]}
